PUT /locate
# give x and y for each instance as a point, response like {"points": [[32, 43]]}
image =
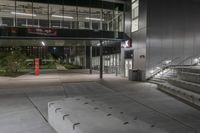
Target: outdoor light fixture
{"points": [[96, 19], [58, 16], [43, 44], [157, 67], [168, 61], [23, 14], [196, 60], [152, 71]]}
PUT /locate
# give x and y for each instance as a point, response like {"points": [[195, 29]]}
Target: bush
{"points": [[71, 66], [14, 61]]}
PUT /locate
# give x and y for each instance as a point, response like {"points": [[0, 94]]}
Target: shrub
{"points": [[15, 61]]}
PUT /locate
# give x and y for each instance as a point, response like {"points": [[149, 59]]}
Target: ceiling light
{"points": [[43, 44], [196, 60], [96, 19], [23, 14], [58, 16]]}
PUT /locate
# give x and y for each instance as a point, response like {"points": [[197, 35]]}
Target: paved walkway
{"points": [[23, 101]]}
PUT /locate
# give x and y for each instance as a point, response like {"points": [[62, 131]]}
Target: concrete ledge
{"points": [[194, 87], [186, 95], [77, 115], [191, 77]]}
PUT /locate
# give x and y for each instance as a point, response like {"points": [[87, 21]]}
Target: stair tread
{"points": [[186, 82], [196, 74], [181, 89]]}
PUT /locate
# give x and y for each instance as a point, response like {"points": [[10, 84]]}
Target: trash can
{"points": [[136, 75], [133, 75]]}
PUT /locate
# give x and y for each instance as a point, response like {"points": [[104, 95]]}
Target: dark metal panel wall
{"points": [[173, 31]]}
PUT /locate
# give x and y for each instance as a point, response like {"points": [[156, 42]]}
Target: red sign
{"points": [[14, 30], [126, 44], [37, 66], [43, 31]]}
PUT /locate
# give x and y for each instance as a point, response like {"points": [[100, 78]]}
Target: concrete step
{"points": [[190, 77], [189, 69], [194, 87], [77, 115], [157, 80], [189, 96]]}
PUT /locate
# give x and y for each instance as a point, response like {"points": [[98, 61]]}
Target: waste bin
{"points": [[133, 75], [136, 75]]}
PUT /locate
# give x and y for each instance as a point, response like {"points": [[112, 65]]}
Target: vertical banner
{"points": [[37, 66]]}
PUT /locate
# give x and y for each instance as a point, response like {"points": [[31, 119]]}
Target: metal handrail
{"points": [[179, 64], [163, 67]]}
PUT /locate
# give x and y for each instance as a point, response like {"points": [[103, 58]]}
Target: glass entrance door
{"points": [[128, 65]]}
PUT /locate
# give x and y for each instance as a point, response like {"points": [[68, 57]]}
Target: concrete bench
{"points": [[77, 115]]}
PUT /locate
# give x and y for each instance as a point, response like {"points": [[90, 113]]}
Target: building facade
{"points": [[165, 32]]}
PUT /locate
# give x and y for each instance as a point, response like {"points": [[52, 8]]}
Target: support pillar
{"points": [[91, 59], [116, 67], [101, 60]]}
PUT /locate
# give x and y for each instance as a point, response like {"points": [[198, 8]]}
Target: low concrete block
{"points": [[189, 96], [77, 115]]}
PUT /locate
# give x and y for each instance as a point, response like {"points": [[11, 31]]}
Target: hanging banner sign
{"points": [[42, 31], [37, 66]]}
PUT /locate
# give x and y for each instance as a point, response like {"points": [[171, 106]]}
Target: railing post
{"points": [[91, 59]]}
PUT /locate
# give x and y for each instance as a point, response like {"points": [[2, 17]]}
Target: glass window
{"points": [[108, 18], [118, 20], [83, 13], [135, 9], [7, 18], [56, 16], [40, 15], [135, 15], [70, 17], [96, 18], [121, 20], [135, 25], [24, 14]]}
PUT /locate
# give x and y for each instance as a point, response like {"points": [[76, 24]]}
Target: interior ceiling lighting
{"points": [[23, 14], [196, 60], [43, 44], [58, 16], [96, 19]]}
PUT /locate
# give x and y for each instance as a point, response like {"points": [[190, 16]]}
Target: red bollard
{"points": [[37, 66]]}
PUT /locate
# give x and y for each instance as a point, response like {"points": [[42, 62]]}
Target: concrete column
{"points": [[116, 67], [91, 59], [101, 60], [85, 61], [122, 63]]}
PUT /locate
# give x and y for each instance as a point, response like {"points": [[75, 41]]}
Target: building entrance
{"points": [[95, 57]]}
